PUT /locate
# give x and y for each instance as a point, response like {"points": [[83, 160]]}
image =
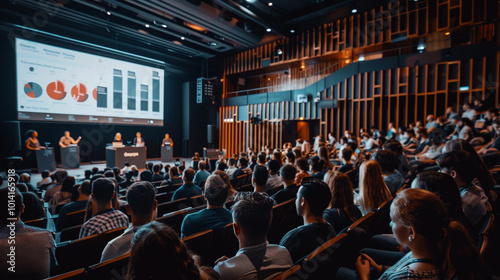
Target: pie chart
{"points": [[33, 90], [55, 90], [79, 93], [94, 93]]}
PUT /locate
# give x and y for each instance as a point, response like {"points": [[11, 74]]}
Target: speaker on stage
{"points": [[210, 133]]}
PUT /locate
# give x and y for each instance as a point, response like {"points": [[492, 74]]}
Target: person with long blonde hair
{"points": [[372, 189]]}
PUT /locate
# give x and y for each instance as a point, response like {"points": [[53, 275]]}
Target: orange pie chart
{"points": [[55, 90], [94, 93], [79, 93]]}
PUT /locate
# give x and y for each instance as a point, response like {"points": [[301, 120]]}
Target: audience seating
{"points": [[354, 175], [200, 244], [75, 218], [41, 223], [198, 200], [194, 164], [164, 197], [289, 273], [169, 188], [70, 233], [196, 209], [363, 222], [238, 182], [172, 206], [381, 220], [284, 219], [115, 268], [156, 183], [489, 242], [173, 220], [78, 274], [83, 252]]}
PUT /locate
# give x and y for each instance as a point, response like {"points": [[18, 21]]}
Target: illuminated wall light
{"points": [[347, 61], [421, 47], [164, 25], [279, 52], [301, 118], [302, 66]]}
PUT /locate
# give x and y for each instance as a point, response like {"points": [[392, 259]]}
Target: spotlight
{"points": [[108, 13], [146, 25], [361, 57], [268, 29], [292, 30], [270, 4], [421, 47], [213, 44], [183, 38], [279, 52], [164, 25], [354, 10]]}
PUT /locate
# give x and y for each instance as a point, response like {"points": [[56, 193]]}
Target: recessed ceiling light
{"points": [[212, 44], [108, 13], [182, 38], [164, 25], [268, 29], [354, 10], [146, 25], [292, 30], [270, 4]]}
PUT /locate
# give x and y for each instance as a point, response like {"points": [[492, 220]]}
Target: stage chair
{"points": [[41, 223], [110, 269], [173, 220], [85, 251]]}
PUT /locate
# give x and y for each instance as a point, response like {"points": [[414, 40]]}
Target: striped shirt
{"points": [[104, 221], [401, 270]]}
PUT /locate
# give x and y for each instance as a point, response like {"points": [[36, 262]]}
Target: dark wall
{"points": [[94, 137]]}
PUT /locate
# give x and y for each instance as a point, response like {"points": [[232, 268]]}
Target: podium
{"points": [[70, 157], [119, 155], [45, 159], [166, 153]]}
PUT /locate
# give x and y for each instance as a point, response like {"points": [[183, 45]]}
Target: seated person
{"points": [[33, 207], [215, 215], [346, 161], [231, 166], [105, 218], [84, 191], [303, 170], [256, 257], [34, 247], [317, 168], [188, 189], [174, 177], [196, 156], [388, 161], [202, 173], [287, 176], [141, 207], [45, 178], [273, 183], [312, 199], [157, 176], [242, 168], [259, 178]]}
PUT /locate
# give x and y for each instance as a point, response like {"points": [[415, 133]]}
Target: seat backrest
{"points": [[381, 220], [163, 197], [85, 251], [172, 206], [485, 234], [78, 274], [201, 244], [198, 200], [41, 223], [288, 273], [285, 218], [70, 233], [75, 218], [173, 220], [110, 269], [363, 222], [225, 243]]}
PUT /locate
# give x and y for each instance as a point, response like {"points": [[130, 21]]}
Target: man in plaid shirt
{"points": [[105, 218]]}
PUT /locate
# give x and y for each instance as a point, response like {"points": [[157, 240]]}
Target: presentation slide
{"points": [[63, 85]]}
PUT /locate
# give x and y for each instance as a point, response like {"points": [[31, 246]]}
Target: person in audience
{"points": [[253, 161], [287, 177], [494, 145], [34, 250], [242, 168], [317, 168], [313, 198], [157, 177], [129, 180], [64, 195], [105, 216], [215, 215], [341, 212], [146, 175], [58, 178], [231, 162], [372, 189], [188, 189], [261, 159], [45, 178], [273, 183], [126, 168], [368, 142], [450, 112], [84, 191], [141, 207], [346, 161], [431, 125], [26, 178], [391, 130], [388, 161], [474, 201], [259, 178], [404, 166], [202, 173], [256, 258], [302, 167], [109, 174], [323, 154], [158, 253], [33, 207], [440, 247], [468, 111], [116, 171], [411, 141], [174, 177], [290, 157]]}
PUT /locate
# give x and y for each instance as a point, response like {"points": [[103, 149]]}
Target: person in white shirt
{"points": [[468, 111]]}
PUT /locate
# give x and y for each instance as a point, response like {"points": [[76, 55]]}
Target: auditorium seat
{"points": [[41, 223], [363, 222], [284, 219], [196, 209], [83, 252], [115, 268], [164, 197], [78, 274], [354, 175], [201, 244], [173, 220], [381, 220], [198, 201], [172, 206], [289, 274], [156, 183], [238, 182], [70, 233]]}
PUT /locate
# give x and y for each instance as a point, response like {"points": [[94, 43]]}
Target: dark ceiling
{"points": [[178, 28]]}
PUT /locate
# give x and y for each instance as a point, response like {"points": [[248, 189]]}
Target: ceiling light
{"points": [[146, 25], [270, 4], [354, 10], [182, 38], [212, 44], [279, 52], [108, 13], [164, 25], [361, 57], [268, 29], [292, 30]]}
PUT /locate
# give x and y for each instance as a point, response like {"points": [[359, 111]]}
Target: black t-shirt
{"points": [[345, 168], [286, 194], [303, 240], [339, 219]]}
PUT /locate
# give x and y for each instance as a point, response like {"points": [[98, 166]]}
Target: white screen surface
{"points": [[59, 84]]}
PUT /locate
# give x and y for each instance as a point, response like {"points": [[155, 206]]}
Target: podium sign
{"points": [[167, 153], [70, 157], [119, 155], [45, 159]]}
